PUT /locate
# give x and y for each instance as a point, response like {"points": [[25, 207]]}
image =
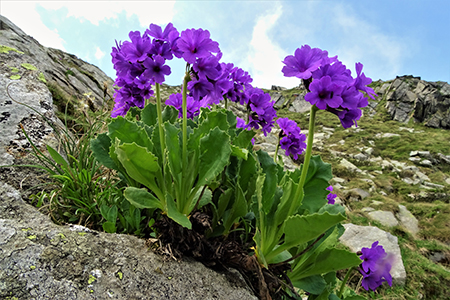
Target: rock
{"points": [[41, 260], [356, 237], [356, 194], [386, 135], [68, 75], [299, 105], [407, 220], [426, 102], [349, 166], [361, 157], [438, 257], [433, 185], [426, 163], [367, 209], [447, 181], [386, 218]]}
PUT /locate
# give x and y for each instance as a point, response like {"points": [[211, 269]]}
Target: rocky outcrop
{"points": [[68, 77], [42, 260], [410, 97]]}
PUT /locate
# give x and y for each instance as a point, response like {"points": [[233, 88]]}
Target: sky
{"points": [[389, 37]]}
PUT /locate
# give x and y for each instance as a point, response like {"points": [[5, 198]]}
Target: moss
{"points": [[15, 77], [14, 70], [91, 279], [29, 67], [41, 78], [69, 72], [31, 237], [6, 49]]}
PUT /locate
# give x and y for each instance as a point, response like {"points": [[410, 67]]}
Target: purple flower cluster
{"points": [[141, 62], [331, 197], [330, 84], [291, 139], [376, 266]]}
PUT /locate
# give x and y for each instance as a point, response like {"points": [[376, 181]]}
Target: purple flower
{"points": [[292, 140], [376, 266], [331, 197], [196, 44], [156, 32], [156, 68], [361, 81], [304, 62], [139, 47], [324, 93], [192, 106]]}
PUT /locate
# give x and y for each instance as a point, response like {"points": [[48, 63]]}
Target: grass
{"points": [[426, 279]]}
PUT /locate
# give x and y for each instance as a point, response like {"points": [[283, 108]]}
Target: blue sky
{"points": [[389, 37]]}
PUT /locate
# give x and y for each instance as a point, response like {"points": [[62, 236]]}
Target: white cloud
{"points": [[364, 42], [99, 53], [158, 12], [264, 60], [27, 19]]}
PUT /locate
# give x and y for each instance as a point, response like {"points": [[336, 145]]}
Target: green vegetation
{"points": [[425, 278], [6, 49]]}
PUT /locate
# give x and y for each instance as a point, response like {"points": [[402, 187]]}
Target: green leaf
{"points": [[355, 297], [238, 209], [239, 152], [57, 157], [204, 200], [100, 147], [129, 132], [270, 183], [174, 214], [302, 229], [319, 174], [141, 198], [109, 227], [149, 114], [140, 164], [244, 138], [215, 153], [109, 213], [330, 259], [312, 284], [174, 154], [223, 203], [170, 114]]}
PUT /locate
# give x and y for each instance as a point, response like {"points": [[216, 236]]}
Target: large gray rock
{"points": [[356, 237], [428, 102], [41, 260], [68, 75]]}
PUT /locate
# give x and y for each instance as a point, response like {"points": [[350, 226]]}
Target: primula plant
{"points": [[192, 174]]}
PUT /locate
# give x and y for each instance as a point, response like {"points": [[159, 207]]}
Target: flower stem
{"points": [[184, 125], [160, 124], [341, 290], [312, 116], [275, 157]]}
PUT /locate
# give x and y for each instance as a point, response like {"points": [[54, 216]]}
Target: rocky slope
{"points": [[390, 172]]}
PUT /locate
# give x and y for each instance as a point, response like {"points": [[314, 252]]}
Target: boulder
{"points": [[41, 260], [427, 102], [356, 237], [68, 77]]}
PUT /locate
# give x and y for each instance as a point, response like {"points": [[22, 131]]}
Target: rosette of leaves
{"points": [[158, 181], [299, 234]]}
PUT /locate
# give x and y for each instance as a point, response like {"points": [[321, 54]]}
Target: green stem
{"points": [[162, 139], [341, 290], [275, 157], [312, 116], [160, 124]]}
